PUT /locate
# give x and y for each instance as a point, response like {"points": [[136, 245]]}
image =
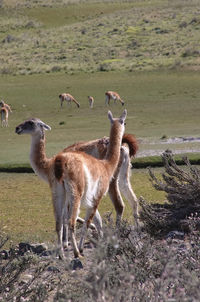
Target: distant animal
{"points": [[68, 98], [112, 95], [4, 117], [91, 101], [3, 104], [75, 178]]}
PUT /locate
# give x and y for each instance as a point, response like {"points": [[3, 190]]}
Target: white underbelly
{"points": [[91, 189]]}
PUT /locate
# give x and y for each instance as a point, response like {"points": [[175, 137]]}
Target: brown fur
{"points": [[68, 174], [132, 143], [98, 148], [4, 116], [65, 96], [41, 162], [3, 104], [76, 168], [101, 146], [110, 94], [59, 166], [109, 164], [91, 101]]}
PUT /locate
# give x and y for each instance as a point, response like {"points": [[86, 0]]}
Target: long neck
{"points": [[113, 152], [38, 159]]}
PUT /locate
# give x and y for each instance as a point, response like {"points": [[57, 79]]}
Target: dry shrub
{"points": [[125, 265], [132, 266], [182, 187]]}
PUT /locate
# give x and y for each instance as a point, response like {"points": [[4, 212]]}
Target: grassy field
{"points": [[158, 103], [149, 54], [148, 51], [27, 212]]}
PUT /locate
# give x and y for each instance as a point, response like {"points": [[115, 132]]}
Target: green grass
{"points": [[149, 53], [27, 212], [137, 163], [158, 103], [72, 13]]}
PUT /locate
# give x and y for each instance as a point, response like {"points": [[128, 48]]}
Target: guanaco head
{"points": [[121, 119], [2, 103], [32, 126]]}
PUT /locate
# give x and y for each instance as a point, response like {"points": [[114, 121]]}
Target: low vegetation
{"points": [[124, 266], [71, 36], [153, 264], [181, 186]]}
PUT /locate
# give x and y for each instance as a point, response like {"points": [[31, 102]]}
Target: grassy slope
{"points": [[92, 36]]}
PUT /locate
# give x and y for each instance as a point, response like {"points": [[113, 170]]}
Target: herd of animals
{"points": [[81, 174], [110, 95]]}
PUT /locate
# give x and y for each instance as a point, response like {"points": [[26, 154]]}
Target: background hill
{"points": [[50, 36]]}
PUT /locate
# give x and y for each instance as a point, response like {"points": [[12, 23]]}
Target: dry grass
{"points": [[124, 266], [83, 37]]}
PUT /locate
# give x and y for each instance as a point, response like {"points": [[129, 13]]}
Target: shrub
{"points": [[104, 67], [182, 187], [125, 265], [131, 266]]}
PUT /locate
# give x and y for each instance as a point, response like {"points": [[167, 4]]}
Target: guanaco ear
{"points": [[44, 126], [47, 127], [110, 116], [123, 116]]}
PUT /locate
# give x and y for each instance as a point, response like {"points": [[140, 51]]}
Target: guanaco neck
{"points": [[39, 161], [113, 152]]}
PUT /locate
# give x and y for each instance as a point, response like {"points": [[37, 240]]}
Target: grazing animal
{"points": [[75, 178], [4, 117], [3, 104], [121, 179], [68, 98], [91, 101], [112, 95]]}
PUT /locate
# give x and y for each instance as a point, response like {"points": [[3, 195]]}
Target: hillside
{"points": [[72, 36]]}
